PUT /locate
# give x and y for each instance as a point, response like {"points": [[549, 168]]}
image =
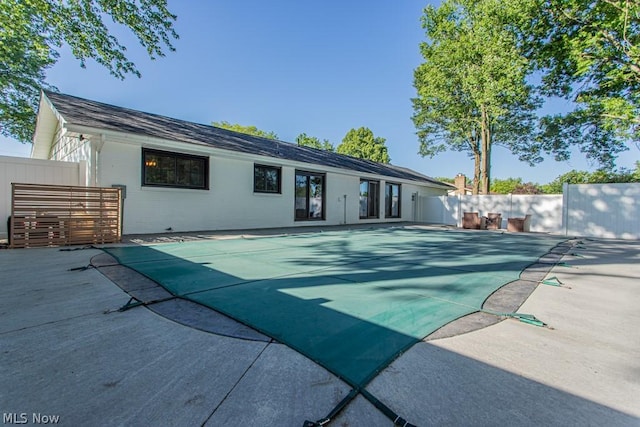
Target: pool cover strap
{"points": [[388, 412], [335, 411], [135, 302], [397, 420], [552, 281], [525, 318]]}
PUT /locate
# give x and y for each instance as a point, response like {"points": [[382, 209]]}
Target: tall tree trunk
{"points": [[485, 151], [476, 172], [488, 158], [474, 143]]}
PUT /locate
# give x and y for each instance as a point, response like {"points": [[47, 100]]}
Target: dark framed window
{"points": [[392, 198], [168, 169], [310, 196], [266, 179], [369, 199]]}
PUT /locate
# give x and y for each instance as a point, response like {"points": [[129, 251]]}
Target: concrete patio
{"points": [[66, 350]]}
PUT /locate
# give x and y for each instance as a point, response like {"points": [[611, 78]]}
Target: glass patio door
{"points": [[309, 196]]}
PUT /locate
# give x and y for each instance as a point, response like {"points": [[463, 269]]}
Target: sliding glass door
{"points": [[392, 200], [369, 199], [310, 189]]}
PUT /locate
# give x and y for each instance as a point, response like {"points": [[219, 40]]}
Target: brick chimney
{"points": [[461, 184]]}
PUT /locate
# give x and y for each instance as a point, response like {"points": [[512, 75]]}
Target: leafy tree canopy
{"points": [[588, 52], [32, 31], [514, 186], [446, 179], [361, 143], [472, 86], [505, 186], [527, 188], [601, 176], [475, 83], [249, 130], [304, 140]]}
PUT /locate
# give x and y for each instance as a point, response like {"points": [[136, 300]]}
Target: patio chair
{"points": [[471, 220], [519, 224], [494, 221]]}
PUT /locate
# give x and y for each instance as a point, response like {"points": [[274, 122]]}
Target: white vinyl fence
{"points": [[33, 171], [587, 210], [602, 210]]}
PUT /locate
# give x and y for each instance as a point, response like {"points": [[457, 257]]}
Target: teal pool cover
{"points": [[349, 300]]}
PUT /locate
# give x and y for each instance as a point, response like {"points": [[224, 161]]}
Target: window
{"points": [[165, 169], [266, 179], [309, 203], [392, 200], [369, 199]]}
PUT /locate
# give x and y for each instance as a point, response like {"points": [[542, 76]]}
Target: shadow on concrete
{"points": [[430, 385], [382, 305]]}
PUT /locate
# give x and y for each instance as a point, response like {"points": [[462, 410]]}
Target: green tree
{"points": [[249, 130], [32, 31], [514, 186], [600, 176], [571, 177], [505, 186], [304, 140], [472, 87], [589, 53], [527, 188], [446, 179], [361, 143]]}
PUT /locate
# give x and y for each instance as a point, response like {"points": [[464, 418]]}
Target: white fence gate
{"points": [[588, 210]]}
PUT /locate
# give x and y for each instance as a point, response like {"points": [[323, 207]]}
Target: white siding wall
{"points": [[33, 171], [230, 202], [69, 148]]}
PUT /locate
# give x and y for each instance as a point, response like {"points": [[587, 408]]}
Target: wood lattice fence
{"points": [[54, 215]]}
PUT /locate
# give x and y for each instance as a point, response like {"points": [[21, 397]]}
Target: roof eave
{"points": [[141, 140], [47, 122]]}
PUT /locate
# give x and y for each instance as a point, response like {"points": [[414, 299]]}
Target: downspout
{"points": [[345, 208], [96, 148], [414, 199], [94, 168]]}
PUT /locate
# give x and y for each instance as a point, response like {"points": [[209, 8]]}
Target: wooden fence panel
{"points": [[56, 215]]}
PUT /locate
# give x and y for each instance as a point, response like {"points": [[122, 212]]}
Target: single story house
{"points": [[183, 176]]}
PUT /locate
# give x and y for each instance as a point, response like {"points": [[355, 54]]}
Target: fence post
{"points": [[443, 209], [510, 206]]}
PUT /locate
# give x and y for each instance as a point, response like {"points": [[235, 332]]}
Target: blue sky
{"points": [[290, 66]]}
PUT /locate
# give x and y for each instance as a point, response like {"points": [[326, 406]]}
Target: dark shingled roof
{"points": [[84, 112]]}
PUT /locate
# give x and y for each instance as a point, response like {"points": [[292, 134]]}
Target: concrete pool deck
{"points": [[66, 350]]}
